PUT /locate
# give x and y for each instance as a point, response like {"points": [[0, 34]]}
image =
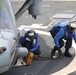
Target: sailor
{"points": [[63, 30], [30, 41]]}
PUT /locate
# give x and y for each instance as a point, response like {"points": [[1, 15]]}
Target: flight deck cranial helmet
{"points": [[72, 25], [31, 34]]}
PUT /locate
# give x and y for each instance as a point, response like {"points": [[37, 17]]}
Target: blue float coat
{"points": [[35, 45], [62, 31]]}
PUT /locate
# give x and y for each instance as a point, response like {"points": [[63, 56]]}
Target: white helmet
{"points": [[72, 25], [31, 34]]}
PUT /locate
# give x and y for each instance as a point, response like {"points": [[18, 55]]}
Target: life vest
{"points": [[57, 27]]}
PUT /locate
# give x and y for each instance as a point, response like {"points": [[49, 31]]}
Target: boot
{"points": [[53, 52], [67, 54], [60, 52]]}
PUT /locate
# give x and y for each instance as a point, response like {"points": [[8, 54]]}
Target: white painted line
{"points": [[17, 0], [34, 25], [74, 19], [52, 23], [46, 6], [57, 22], [38, 31], [68, 11], [64, 16], [37, 26]]}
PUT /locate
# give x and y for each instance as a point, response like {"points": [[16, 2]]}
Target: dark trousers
{"points": [[37, 51], [29, 46], [68, 43]]}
